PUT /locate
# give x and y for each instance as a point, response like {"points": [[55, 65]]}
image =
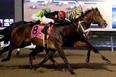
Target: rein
{"points": [[81, 25]]}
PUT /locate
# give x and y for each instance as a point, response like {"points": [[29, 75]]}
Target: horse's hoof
{"points": [[109, 62], [4, 60], [18, 52], [72, 72], [35, 68], [56, 64], [87, 60], [64, 70], [30, 68]]}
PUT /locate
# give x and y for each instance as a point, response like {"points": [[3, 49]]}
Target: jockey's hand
{"points": [[41, 23], [44, 31]]}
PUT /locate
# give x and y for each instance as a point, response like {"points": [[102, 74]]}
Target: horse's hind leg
{"points": [[51, 58], [4, 50], [10, 48], [37, 50], [21, 46], [88, 55], [8, 57], [50, 53], [2, 39]]}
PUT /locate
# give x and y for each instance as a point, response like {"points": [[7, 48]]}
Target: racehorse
{"points": [[55, 43], [6, 33]]}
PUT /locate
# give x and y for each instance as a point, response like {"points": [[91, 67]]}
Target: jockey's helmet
{"points": [[47, 10], [62, 14]]}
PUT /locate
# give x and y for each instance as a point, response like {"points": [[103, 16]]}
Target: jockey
{"points": [[74, 14], [37, 16], [52, 18], [45, 16]]}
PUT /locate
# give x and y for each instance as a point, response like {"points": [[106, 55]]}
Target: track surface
{"points": [[18, 66]]}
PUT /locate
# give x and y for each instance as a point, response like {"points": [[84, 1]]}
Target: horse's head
{"points": [[95, 16]]}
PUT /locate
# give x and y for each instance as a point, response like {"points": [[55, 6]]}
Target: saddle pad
{"points": [[36, 31]]}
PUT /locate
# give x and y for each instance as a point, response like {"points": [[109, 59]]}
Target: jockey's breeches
{"points": [[46, 20]]}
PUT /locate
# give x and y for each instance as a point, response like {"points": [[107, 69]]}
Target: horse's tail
{"points": [[5, 30], [6, 33]]}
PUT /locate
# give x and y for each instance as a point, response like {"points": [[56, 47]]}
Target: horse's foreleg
{"points": [[88, 55], [107, 60], [102, 56], [95, 50], [62, 55]]}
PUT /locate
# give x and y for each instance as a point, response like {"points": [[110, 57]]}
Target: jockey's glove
{"points": [[46, 28]]}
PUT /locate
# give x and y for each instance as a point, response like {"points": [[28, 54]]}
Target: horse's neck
{"points": [[87, 19], [68, 29], [87, 22]]}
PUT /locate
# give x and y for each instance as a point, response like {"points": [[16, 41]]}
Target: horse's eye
{"points": [[98, 14]]}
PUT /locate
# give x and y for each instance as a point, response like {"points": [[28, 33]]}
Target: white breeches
{"points": [[46, 20]]}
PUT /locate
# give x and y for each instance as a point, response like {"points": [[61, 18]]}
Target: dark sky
{"points": [[6, 8]]}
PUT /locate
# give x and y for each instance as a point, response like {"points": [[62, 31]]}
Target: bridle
{"points": [[83, 29]]}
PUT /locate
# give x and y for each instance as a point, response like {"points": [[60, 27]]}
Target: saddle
{"points": [[37, 31]]}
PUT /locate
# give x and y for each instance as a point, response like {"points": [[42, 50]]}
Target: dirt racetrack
{"points": [[18, 66]]}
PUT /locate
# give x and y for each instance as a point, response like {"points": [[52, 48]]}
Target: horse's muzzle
{"points": [[103, 24]]}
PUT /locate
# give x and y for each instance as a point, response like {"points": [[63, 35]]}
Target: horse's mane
{"points": [[63, 23], [75, 20], [89, 10]]}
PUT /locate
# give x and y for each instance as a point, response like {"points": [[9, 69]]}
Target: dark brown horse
{"points": [[77, 38], [55, 43]]}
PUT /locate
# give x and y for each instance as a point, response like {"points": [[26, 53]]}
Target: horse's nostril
{"points": [[105, 24]]}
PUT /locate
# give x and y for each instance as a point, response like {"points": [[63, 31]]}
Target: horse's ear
{"points": [[96, 8], [92, 8]]}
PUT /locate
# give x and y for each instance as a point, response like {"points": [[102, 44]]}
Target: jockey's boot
{"points": [[46, 28]]}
